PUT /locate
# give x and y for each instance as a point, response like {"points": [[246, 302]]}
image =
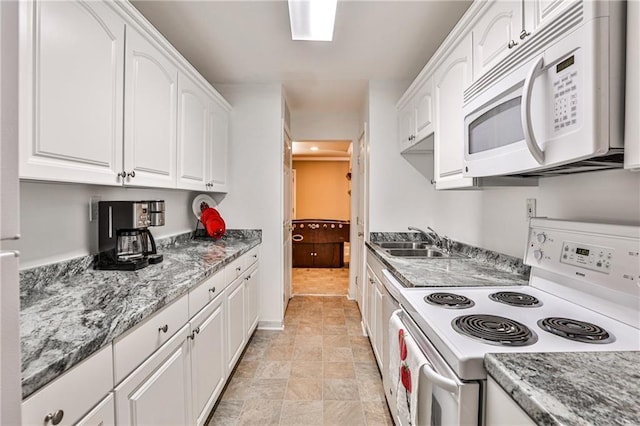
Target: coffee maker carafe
{"points": [[124, 242]]}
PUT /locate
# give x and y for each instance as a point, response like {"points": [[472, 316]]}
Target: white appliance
{"points": [[556, 104], [584, 280], [10, 394]]}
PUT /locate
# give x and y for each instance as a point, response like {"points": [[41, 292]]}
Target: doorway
{"points": [[321, 223]]}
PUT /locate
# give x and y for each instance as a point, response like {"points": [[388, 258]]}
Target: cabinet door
{"points": [[251, 294], [302, 255], [236, 330], [208, 364], [150, 114], [328, 255], [540, 12], [451, 78], [370, 309], [424, 110], [219, 122], [494, 35], [71, 82], [159, 391], [379, 322], [406, 126], [193, 138], [102, 415]]}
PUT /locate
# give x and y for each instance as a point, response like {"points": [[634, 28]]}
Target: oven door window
{"points": [[498, 127]]}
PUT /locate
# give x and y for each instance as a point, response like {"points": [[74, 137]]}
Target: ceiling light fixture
{"points": [[314, 148], [312, 20]]}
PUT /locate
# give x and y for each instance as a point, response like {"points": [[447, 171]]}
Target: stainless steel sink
{"points": [[417, 253], [403, 244]]}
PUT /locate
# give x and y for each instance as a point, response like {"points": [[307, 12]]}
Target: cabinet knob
{"points": [[512, 44], [122, 174], [132, 174], [164, 328], [55, 417], [197, 330], [212, 290], [255, 256], [524, 33], [239, 268]]}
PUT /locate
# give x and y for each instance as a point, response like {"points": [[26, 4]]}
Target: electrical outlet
{"points": [[531, 207], [93, 207]]}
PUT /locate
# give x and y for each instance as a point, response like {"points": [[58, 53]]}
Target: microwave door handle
{"points": [[527, 126], [439, 380]]}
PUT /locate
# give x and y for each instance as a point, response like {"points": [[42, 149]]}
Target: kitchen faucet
{"points": [[442, 242]]}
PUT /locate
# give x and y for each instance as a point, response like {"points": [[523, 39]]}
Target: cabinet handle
{"points": [[164, 328], [197, 330], [132, 174], [524, 33], [239, 268], [55, 417], [255, 256], [512, 44], [122, 174], [212, 289]]}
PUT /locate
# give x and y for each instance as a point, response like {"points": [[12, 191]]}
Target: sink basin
{"points": [[403, 245]]}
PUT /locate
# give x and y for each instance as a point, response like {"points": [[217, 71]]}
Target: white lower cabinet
{"points": [[236, 336], [208, 364], [159, 391], [104, 414], [251, 295], [502, 410]]}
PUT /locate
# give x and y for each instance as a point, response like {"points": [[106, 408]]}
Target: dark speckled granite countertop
{"points": [[478, 267], [578, 388], [69, 311]]}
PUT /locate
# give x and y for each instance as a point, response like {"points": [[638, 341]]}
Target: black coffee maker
{"points": [[124, 241]]}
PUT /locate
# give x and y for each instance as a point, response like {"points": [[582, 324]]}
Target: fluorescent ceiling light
{"points": [[312, 19], [314, 148]]}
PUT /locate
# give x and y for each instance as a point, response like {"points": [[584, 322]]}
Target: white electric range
{"points": [[583, 295]]}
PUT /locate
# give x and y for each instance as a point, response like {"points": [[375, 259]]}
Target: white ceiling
{"points": [[243, 41], [334, 149]]}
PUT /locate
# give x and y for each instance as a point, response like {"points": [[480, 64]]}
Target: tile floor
{"points": [[319, 371], [321, 281]]}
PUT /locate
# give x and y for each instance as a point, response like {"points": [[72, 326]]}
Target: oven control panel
{"points": [[587, 256]]}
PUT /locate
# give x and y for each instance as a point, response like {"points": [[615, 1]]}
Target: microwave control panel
{"points": [[565, 94]]}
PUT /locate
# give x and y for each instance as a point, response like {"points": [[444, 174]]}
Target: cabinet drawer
{"points": [[135, 346], [104, 414], [234, 270], [205, 292], [251, 257], [75, 392]]}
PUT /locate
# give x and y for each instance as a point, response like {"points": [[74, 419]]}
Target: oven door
{"points": [[442, 397]]}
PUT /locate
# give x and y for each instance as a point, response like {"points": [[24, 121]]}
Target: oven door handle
{"points": [[527, 125], [439, 380]]}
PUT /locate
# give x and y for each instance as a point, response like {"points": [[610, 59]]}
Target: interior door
{"points": [[287, 211]]}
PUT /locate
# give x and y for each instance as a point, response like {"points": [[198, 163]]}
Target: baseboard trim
{"points": [[271, 325]]}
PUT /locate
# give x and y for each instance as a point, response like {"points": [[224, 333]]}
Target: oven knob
{"points": [[537, 254], [541, 237]]}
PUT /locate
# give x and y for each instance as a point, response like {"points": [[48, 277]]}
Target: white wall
{"points": [[493, 218], [255, 195], [55, 219]]}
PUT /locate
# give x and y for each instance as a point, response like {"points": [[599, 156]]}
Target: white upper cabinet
{"points": [[218, 146], [415, 117], [71, 92], [151, 81], [193, 134], [540, 12], [451, 77], [495, 34]]}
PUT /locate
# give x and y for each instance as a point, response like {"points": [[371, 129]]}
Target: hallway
{"points": [[320, 281], [319, 371]]}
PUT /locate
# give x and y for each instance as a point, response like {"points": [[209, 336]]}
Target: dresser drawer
{"points": [[251, 257], [205, 292], [74, 393], [131, 349], [234, 270]]}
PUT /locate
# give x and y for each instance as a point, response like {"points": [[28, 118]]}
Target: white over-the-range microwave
{"points": [[556, 104]]}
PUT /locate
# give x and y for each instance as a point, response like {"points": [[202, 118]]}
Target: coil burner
{"points": [[495, 330], [578, 331], [514, 298], [449, 300]]}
